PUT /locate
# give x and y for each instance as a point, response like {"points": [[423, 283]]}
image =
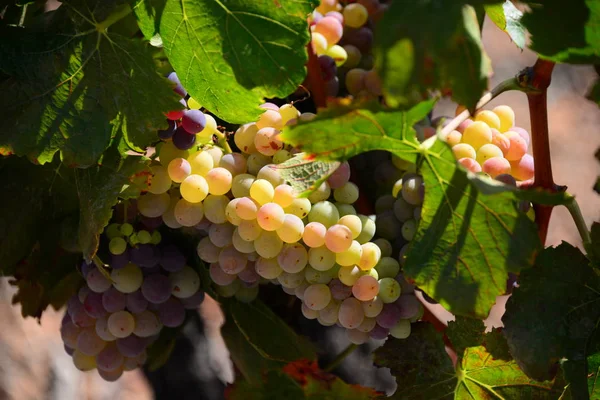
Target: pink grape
{"points": [[270, 216], [379, 333], [464, 125], [220, 277], [389, 316], [496, 166], [409, 306], [522, 132], [524, 168], [501, 141], [339, 291], [136, 302], [232, 261], [109, 359], [171, 313], [340, 176], [470, 164], [89, 343], [518, 146], [365, 288], [338, 238], [131, 346], [156, 288], [113, 300], [93, 305], [330, 28]]}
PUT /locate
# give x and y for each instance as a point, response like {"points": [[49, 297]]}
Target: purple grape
{"points": [[361, 38], [74, 305], [193, 121], [136, 302], [156, 288], [408, 305], [179, 87], [389, 316], [109, 359], [143, 255], [151, 223], [120, 260], [85, 268], [339, 291], [113, 300], [81, 319], [172, 259], [171, 313], [379, 333], [194, 300], [151, 271], [183, 140], [131, 346], [69, 350], [332, 87], [93, 305], [328, 67], [165, 134]]}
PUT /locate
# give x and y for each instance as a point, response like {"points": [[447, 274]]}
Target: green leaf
{"points": [[467, 242], [341, 133], [595, 247], [99, 189], [93, 85], [424, 371], [431, 45], [299, 380], [507, 17], [555, 312], [465, 332], [229, 55], [305, 174], [565, 32], [583, 377], [594, 94], [272, 338]]}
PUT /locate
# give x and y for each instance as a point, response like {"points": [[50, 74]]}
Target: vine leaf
{"points": [[583, 377], [306, 174], [300, 379], [259, 340], [90, 89], [560, 310], [565, 34], [431, 45], [595, 247], [423, 369], [467, 240], [234, 49], [99, 189], [507, 17]]}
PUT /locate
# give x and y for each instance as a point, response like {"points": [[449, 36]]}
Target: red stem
{"points": [[315, 79], [538, 114]]}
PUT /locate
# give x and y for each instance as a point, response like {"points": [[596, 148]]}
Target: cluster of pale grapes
{"points": [[121, 309], [342, 37], [492, 144]]}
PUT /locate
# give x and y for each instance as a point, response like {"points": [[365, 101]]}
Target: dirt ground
{"points": [[33, 364]]}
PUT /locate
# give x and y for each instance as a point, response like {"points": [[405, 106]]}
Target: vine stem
{"points": [[23, 13], [504, 86], [340, 357], [315, 79], [538, 78], [575, 212], [222, 141]]}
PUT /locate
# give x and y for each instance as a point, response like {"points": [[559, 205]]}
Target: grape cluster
{"points": [[121, 310], [492, 144], [342, 37]]}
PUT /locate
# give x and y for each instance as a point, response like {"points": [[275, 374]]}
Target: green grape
{"points": [[186, 282], [206, 134], [345, 209], [321, 193], [126, 229], [281, 156], [240, 186], [353, 56], [309, 313], [214, 208], [368, 229], [169, 152], [355, 15], [291, 229], [144, 237], [193, 104], [300, 207], [113, 230], [83, 362], [349, 275], [160, 181], [156, 237], [351, 256], [397, 188], [244, 138], [389, 290], [186, 214], [249, 230], [387, 267], [271, 174], [268, 244], [367, 325], [347, 194], [229, 290], [231, 212], [290, 280], [402, 209], [201, 163], [256, 161], [321, 258], [385, 246], [241, 245], [221, 235], [117, 246], [127, 279], [268, 268], [385, 203], [246, 294], [330, 313], [313, 276], [216, 153], [373, 307], [262, 191], [409, 229], [355, 81], [293, 257], [325, 213], [371, 254], [317, 296], [194, 188], [153, 205], [412, 189], [401, 330]]}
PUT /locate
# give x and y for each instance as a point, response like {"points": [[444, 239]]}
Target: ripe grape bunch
{"points": [[257, 230], [121, 310], [342, 38]]}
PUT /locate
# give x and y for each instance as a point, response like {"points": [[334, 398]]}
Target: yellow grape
{"points": [[477, 134], [506, 116], [201, 163], [464, 150], [489, 117], [194, 188], [488, 151]]}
